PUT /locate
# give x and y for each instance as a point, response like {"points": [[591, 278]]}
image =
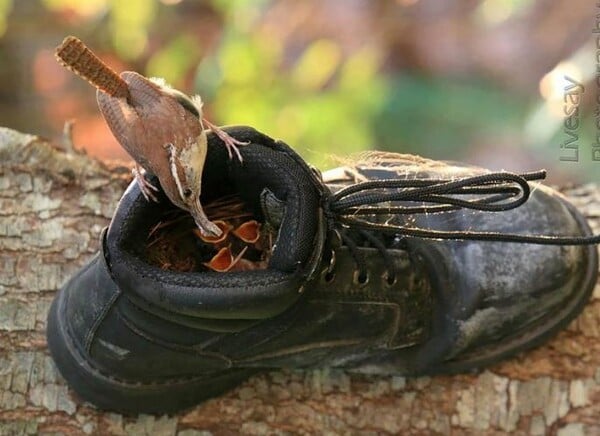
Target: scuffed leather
{"points": [[485, 292]]}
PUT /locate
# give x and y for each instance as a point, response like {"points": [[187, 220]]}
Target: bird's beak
{"points": [[207, 227]]}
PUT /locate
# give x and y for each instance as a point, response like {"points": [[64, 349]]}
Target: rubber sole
{"points": [[109, 393], [534, 337]]}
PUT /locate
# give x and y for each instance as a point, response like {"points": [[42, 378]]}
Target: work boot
{"points": [[393, 265]]}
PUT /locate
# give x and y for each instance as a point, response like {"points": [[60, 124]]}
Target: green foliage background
{"points": [[324, 100]]}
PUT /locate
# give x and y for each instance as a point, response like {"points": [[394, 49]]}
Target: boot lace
{"points": [[348, 209]]}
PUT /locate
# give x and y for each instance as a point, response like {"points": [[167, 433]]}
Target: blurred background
{"points": [[480, 81]]}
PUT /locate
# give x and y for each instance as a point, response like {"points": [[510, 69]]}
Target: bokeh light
{"points": [[481, 81]]}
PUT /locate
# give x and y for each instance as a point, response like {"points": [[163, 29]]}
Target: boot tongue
{"points": [[273, 209]]}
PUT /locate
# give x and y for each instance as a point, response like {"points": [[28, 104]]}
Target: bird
{"points": [[164, 131], [161, 128]]}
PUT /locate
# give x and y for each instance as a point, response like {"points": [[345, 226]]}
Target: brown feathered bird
{"points": [[163, 130]]}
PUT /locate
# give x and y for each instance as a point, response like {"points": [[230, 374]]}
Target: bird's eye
{"points": [[187, 192]]}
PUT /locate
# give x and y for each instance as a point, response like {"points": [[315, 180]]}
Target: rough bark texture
{"points": [[53, 206]]}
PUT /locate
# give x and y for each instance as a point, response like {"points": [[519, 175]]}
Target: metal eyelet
{"points": [[332, 261], [328, 274], [386, 279], [360, 279]]}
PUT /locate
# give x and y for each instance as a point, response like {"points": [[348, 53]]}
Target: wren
{"points": [[163, 131], [161, 128]]}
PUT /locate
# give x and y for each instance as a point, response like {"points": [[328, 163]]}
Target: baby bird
{"points": [[164, 132]]}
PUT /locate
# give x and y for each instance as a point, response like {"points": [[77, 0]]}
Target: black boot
{"points": [[398, 265]]}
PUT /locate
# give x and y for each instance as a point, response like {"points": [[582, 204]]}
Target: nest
{"points": [[175, 242]]}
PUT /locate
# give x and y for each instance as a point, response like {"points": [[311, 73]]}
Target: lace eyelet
{"points": [[328, 276], [360, 278], [388, 280]]}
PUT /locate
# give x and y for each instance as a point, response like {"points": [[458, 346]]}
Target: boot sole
{"points": [[109, 393]]}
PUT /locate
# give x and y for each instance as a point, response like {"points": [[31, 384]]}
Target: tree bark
{"points": [[53, 205]]}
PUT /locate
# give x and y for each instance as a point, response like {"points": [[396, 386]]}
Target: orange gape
{"points": [[248, 233]]}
